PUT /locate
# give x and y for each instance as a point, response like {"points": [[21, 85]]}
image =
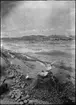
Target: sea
{"points": [[47, 51]]}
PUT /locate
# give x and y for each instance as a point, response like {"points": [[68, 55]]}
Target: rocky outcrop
{"points": [[47, 86], [4, 88]]}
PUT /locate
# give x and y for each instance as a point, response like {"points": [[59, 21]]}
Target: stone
{"points": [[4, 88], [16, 80], [12, 94], [11, 75], [21, 102], [22, 85], [43, 73], [17, 94], [25, 101], [31, 102], [9, 82], [27, 96]]}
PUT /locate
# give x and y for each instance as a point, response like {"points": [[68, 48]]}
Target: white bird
{"points": [[27, 76]]}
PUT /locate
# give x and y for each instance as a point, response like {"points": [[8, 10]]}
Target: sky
{"points": [[39, 18]]}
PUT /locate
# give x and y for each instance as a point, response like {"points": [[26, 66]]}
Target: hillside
{"points": [[45, 88]]}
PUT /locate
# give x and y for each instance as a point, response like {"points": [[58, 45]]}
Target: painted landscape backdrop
{"points": [[47, 48]]}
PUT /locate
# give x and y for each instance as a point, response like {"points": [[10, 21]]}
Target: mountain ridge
{"points": [[40, 38]]}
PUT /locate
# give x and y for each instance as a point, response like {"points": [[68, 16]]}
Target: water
{"points": [[45, 51], [68, 47]]}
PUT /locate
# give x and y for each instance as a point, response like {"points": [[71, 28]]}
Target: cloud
{"points": [[36, 4], [39, 17]]}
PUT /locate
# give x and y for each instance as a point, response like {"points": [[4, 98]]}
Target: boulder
{"points": [[43, 73], [4, 88]]}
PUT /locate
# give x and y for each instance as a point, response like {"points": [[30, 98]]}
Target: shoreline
{"points": [[34, 85]]}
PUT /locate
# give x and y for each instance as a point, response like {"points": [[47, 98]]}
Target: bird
{"points": [[27, 76]]}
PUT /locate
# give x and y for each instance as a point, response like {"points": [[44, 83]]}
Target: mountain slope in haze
{"points": [[40, 38]]}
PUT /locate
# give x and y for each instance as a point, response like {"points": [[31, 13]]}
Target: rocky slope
{"points": [[46, 88]]}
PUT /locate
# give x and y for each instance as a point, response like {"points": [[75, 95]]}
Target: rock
{"points": [[21, 102], [27, 96], [11, 75], [73, 81], [25, 101], [73, 77], [72, 98], [9, 82], [24, 97], [7, 101], [31, 102], [4, 88], [39, 102], [15, 94], [22, 85], [43, 73], [63, 76], [16, 80], [12, 95]]}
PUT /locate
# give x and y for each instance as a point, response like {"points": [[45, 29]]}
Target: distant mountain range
{"points": [[40, 38]]}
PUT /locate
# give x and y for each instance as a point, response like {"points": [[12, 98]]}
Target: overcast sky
{"points": [[39, 18]]}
